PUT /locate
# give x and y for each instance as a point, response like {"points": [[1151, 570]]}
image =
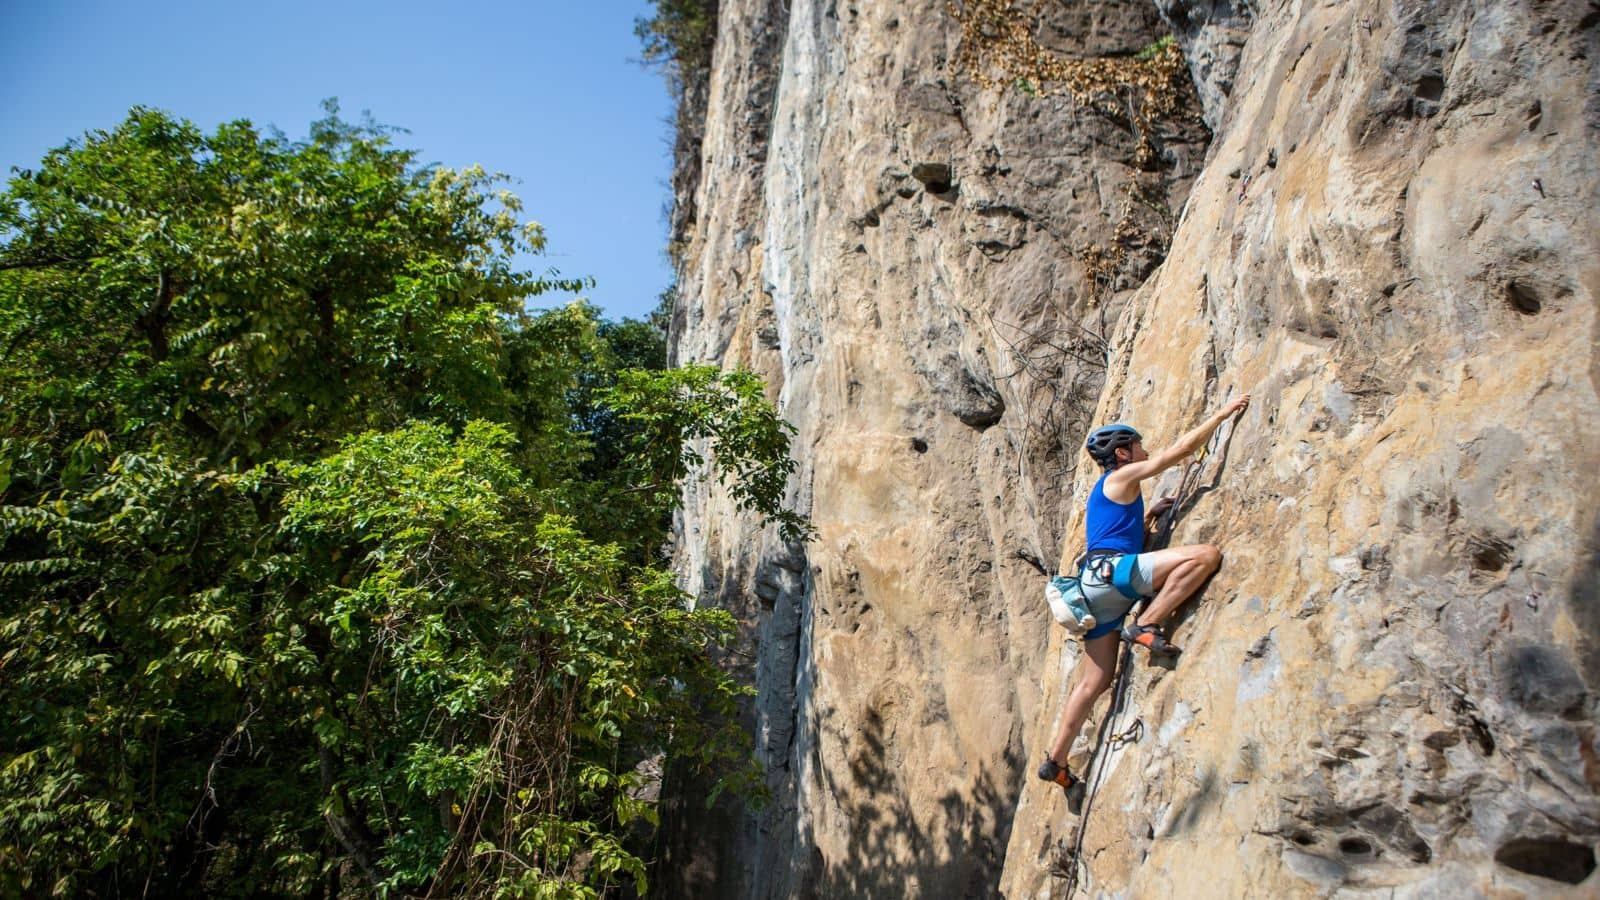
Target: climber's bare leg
{"points": [[1095, 671], [1179, 572]]}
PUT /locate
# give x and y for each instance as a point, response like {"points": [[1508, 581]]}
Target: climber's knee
{"points": [[1099, 664], [1095, 683]]}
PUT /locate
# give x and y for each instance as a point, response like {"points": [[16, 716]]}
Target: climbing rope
{"points": [[1187, 485], [1097, 768]]}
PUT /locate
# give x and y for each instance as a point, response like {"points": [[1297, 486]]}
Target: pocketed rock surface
{"points": [[1390, 241]]}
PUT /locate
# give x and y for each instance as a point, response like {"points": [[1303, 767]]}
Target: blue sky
{"points": [[548, 92]]}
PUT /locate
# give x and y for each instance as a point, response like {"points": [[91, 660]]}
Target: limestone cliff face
{"points": [[1391, 240]]}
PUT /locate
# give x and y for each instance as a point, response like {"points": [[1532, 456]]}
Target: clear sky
{"points": [[548, 92]]}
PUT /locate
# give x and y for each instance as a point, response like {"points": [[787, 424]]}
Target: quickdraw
{"points": [[1130, 735]]}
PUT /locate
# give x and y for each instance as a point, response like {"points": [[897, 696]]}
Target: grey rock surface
{"points": [[1212, 34]]}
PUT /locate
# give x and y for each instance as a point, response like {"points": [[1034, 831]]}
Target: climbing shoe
{"points": [[1150, 637], [1071, 785]]}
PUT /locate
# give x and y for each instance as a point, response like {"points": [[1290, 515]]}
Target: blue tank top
{"points": [[1112, 525]]}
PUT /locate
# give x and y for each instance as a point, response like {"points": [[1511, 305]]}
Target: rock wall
{"points": [[1391, 241]]}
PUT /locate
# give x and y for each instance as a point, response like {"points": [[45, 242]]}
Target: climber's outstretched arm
{"points": [[1129, 475]]}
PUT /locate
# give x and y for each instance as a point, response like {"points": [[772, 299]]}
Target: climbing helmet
{"points": [[1104, 441]]}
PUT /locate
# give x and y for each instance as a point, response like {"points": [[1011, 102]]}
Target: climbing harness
{"points": [[1064, 593]]}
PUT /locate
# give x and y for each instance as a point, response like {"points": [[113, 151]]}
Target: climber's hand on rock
{"points": [[1160, 508], [1236, 405], [1152, 518]]}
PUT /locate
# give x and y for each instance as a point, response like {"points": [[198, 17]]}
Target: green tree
{"points": [[681, 33], [324, 566]]}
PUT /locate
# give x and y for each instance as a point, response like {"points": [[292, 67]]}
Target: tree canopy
{"points": [[325, 566]]}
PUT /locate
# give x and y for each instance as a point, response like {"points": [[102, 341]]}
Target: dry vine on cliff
{"points": [[998, 51]]}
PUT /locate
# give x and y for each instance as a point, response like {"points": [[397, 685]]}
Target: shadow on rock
{"points": [[890, 853]]}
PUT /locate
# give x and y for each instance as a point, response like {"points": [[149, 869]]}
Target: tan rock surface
{"points": [[1392, 244]]}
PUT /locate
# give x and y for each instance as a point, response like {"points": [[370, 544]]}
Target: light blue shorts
{"points": [[1109, 605]]}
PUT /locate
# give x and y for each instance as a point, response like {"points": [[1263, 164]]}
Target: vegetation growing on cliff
{"points": [[679, 39], [324, 566], [998, 50], [681, 32], [1138, 91]]}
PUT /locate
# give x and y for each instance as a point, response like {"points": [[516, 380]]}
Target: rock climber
{"points": [[1116, 571]]}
